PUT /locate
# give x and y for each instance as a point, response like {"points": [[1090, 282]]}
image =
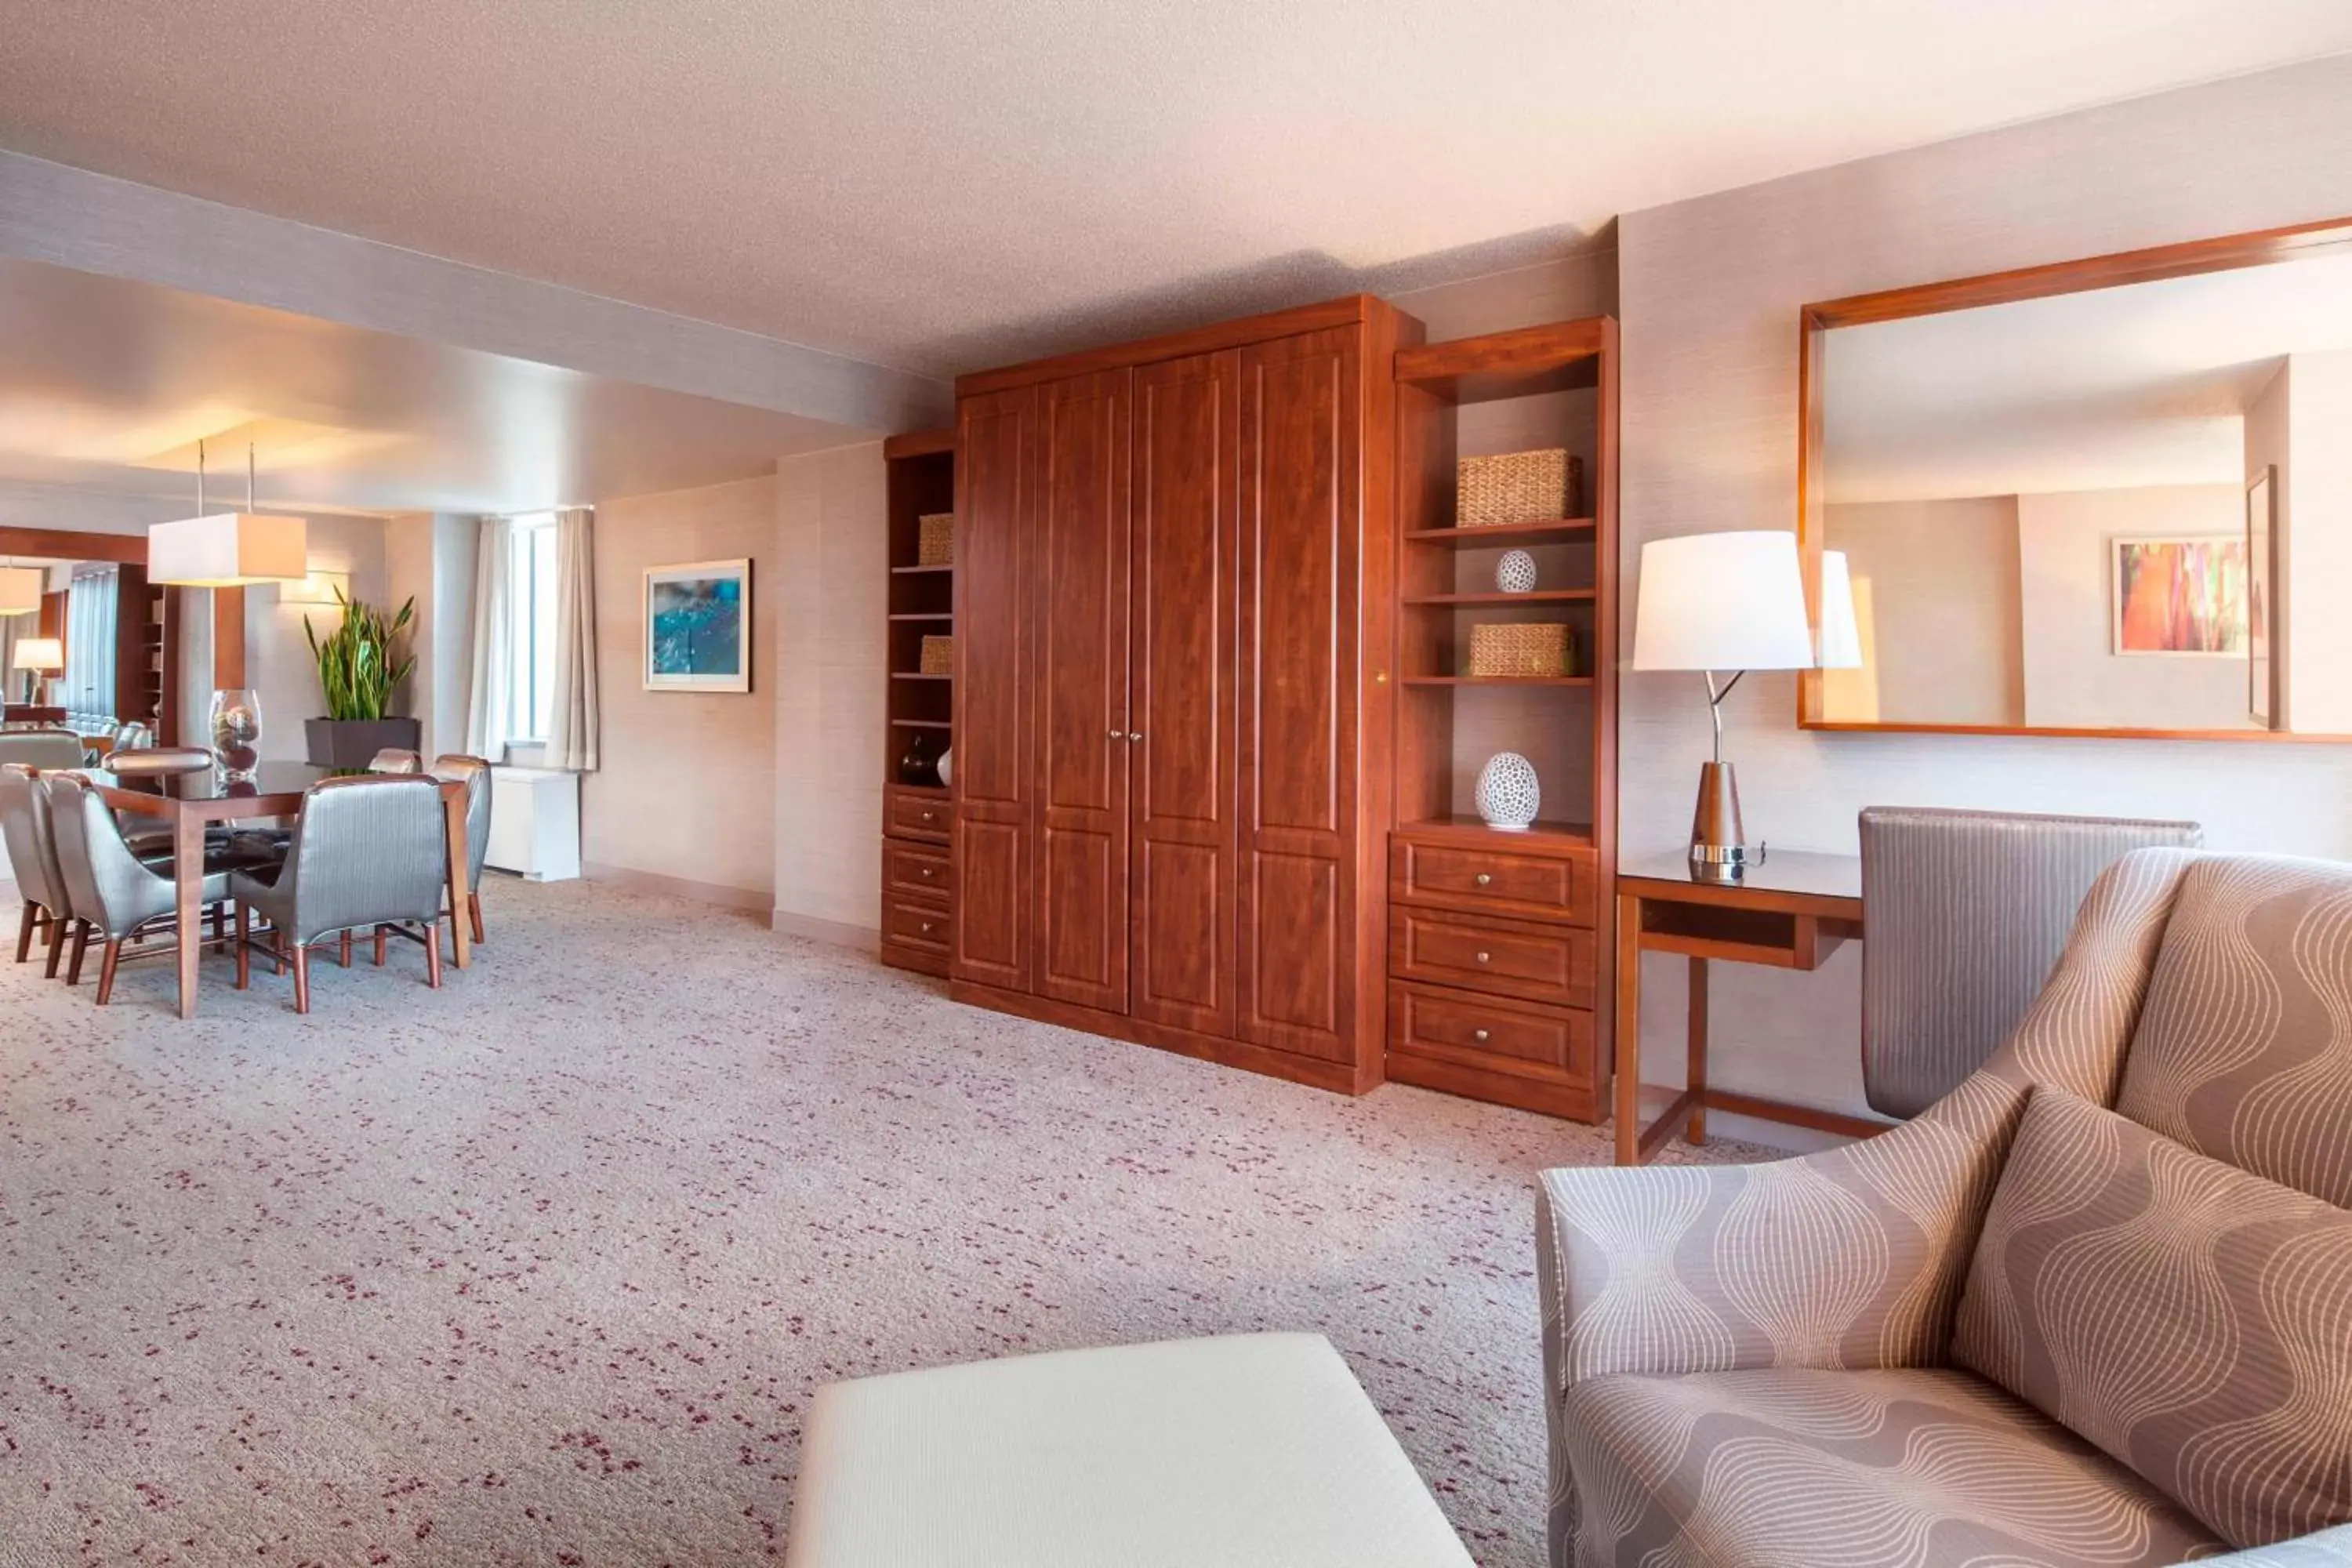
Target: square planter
{"points": [[353, 742]]}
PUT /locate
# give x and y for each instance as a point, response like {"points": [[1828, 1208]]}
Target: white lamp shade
{"points": [[46, 655], [227, 550], [1722, 601], [20, 589], [1841, 633]]}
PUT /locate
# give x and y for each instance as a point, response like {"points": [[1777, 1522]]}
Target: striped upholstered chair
{"points": [[2093, 1307]]}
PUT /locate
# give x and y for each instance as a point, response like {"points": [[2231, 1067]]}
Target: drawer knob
{"points": [[1482, 957], [927, 816], [1484, 878], [1479, 1036], [927, 870], [927, 928]]}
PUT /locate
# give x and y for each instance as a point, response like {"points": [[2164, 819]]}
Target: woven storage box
{"points": [[935, 539], [939, 656], [1517, 486], [1520, 649]]}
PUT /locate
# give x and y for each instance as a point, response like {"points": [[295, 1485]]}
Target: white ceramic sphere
{"points": [[947, 767], [1516, 573], [1509, 795]]}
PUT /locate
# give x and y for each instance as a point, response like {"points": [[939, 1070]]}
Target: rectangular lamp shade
{"points": [[20, 589], [227, 550], [1840, 632], [46, 655], [1722, 601]]}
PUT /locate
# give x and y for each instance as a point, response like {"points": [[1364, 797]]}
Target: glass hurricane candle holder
{"points": [[236, 731]]}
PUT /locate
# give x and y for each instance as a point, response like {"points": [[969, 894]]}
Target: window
{"points": [[532, 607]]}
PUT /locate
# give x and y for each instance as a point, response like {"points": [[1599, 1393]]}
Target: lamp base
{"points": [[1719, 845]]}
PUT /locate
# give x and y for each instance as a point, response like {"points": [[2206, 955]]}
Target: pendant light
{"points": [[20, 589], [230, 549]]}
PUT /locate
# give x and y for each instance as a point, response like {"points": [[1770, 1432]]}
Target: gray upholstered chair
{"points": [[42, 748], [396, 760], [33, 863], [155, 767], [475, 771], [116, 896], [1968, 911], [370, 853], [2093, 1307]]}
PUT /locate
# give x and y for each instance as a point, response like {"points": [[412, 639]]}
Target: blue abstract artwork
{"points": [[698, 622]]}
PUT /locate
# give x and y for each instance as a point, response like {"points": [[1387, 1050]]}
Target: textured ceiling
{"points": [[939, 187], [2112, 389], [106, 385]]}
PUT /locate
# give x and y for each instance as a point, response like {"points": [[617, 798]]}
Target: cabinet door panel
{"points": [[995, 486], [1297, 562], [1186, 427], [1083, 755]]}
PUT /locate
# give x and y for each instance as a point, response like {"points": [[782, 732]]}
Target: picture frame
{"points": [[2265, 617], [698, 627], [2176, 597]]}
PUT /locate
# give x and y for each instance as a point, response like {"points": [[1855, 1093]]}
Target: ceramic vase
{"points": [[1516, 573], [1507, 792], [947, 767]]}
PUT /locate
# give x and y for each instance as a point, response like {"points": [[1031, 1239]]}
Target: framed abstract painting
{"points": [[698, 627], [2180, 597]]}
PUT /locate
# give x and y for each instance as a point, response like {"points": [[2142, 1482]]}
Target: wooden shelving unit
{"points": [[918, 815], [1458, 1021]]}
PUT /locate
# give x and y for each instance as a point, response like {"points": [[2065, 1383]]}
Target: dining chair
{"points": [[42, 748], [370, 853], [395, 760], [155, 766], [1967, 911], [116, 896], [33, 862], [475, 771]]}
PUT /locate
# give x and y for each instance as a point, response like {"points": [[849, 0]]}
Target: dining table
{"points": [[193, 801]]}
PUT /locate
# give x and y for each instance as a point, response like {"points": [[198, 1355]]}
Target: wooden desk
{"points": [[1791, 913], [195, 800]]}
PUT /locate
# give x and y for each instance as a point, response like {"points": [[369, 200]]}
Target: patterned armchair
{"points": [[2093, 1307]]}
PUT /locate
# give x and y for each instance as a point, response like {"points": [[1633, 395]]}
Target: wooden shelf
{"points": [[1502, 601], [1505, 536], [919, 675], [1553, 357], [927, 615], [1498, 681], [1462, 823], [911, 571], [921, 724]]}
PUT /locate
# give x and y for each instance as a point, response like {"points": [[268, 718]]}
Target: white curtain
{"points": [[571, 724], [487, 713], [88, 684]]}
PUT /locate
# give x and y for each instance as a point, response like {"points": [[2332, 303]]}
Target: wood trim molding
{"points": [[65, 545], [747, 900], [2226, 253], [1344, 312], [832, 933]]}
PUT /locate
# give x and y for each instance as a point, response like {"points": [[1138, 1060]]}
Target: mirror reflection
{"points": [[2129, 508], [80, 647]]}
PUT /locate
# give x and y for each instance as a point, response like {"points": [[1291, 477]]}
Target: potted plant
{"points": [[359, 670]]}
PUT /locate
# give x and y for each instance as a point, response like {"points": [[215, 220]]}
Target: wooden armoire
{"points": [[1174, 609]]}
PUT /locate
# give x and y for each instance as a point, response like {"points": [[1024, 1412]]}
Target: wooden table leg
{"points": [[461, 946], [1628, 1029], [187, 889], [1697, 1131]]}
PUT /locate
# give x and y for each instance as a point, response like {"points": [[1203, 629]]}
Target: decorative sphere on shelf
{"points": [[1507, 792], [947, 766], [1516, 573]]}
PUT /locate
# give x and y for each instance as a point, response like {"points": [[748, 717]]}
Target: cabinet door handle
{"points": [[1135, 735], [1479, 1036], [1118, 734], [1483, 878], [1482, 958]]}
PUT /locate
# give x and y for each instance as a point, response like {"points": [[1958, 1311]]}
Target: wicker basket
{"points": [[1520, 649], [935, 539], [939, 656], [1517, 486]]}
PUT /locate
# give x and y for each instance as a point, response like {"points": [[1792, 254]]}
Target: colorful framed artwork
{"points": [[698, 627], [2180, 598], [2264, 629]]}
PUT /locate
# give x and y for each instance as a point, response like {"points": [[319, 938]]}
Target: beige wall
{"points": [[1710, 291], [1940, 634], [2319, 634], [829, 667], [431, 556], [2073, 676], [685, 795], [277, 652]]}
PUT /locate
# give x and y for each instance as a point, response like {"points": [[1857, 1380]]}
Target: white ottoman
{"points": [[1253, 1451]]}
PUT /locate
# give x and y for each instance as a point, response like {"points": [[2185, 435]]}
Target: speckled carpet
{"points": [[542, 1269]]}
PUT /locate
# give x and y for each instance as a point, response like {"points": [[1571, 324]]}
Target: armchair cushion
{"points": [[2192, 1320], [1746, 1469], [2244, 1049]]}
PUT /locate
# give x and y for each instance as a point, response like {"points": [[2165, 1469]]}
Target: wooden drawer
{"points": [[917, 922], [1493, 1032], [1511, 958], [908, 815], [1494, 881], [915, 870]]}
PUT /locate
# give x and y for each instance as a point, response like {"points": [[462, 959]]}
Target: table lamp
{"points": [[38, 656], [1725, 602]]}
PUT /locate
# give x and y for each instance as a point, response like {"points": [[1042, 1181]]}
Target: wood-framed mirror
{"points": [[120, 634], [2102, 497]]}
